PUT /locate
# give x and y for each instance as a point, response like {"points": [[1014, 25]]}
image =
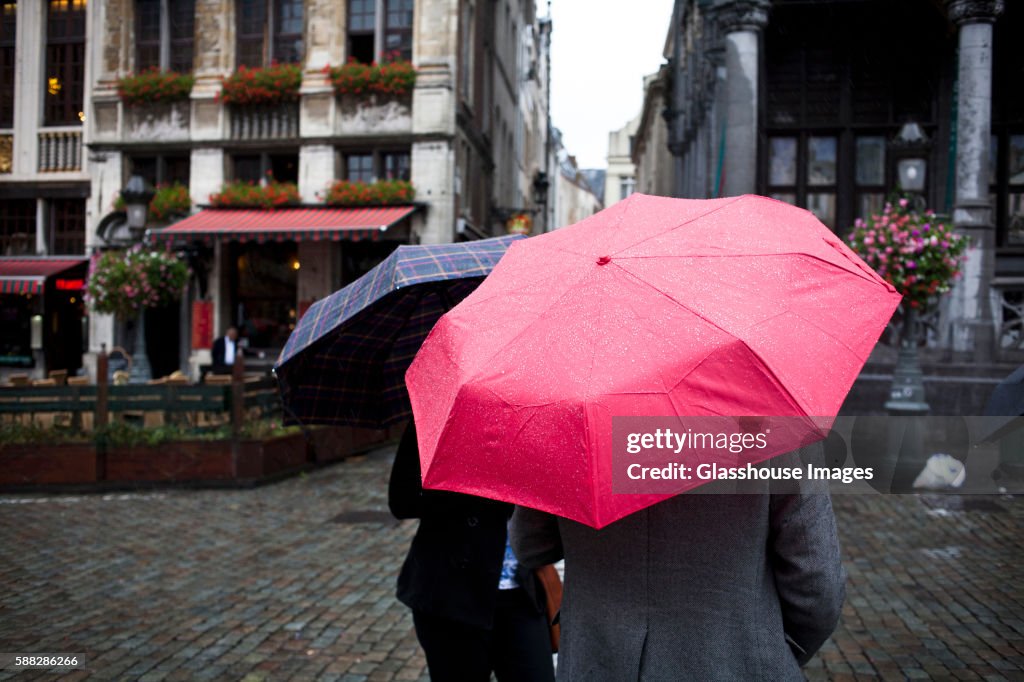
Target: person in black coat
{"points": [[225, 350], [473, 612]]}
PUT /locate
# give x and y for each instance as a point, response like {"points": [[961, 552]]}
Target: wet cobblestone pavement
{"points": [[295, 581]]}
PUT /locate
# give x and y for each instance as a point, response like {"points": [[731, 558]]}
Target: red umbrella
{"points": [[654, 306]]}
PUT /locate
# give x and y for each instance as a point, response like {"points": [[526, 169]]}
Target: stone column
{"points": [[214, 58], [435, 50], [741, 22], [970, 312]]}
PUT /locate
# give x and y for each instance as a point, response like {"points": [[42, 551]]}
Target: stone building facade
{"points": [[620, 180], [812, 103], [471, 136]]}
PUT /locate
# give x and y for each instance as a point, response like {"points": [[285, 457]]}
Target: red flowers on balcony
{"points": [[270, 85], [250, 195], [154, 86], [392, 76], [382, 192]]}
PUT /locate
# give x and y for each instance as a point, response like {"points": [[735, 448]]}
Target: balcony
{"points": [[265, 122], [374, 114], [168, 122], [60, 150]]}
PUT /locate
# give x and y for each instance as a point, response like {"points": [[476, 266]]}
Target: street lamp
{"points": [[540, 188], [137, 194]]}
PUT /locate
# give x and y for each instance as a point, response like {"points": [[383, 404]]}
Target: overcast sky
{"points": [[600, 52]]}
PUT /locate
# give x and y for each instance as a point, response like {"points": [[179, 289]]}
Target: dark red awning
{"points": [[297, 224], [27, 275]]}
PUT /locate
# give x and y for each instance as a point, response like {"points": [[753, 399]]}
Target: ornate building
{"points": [[469, 135], [832, 105]]}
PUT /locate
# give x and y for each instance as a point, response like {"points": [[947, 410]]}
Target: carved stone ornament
{"points": [[974, 11], [743, 15]]}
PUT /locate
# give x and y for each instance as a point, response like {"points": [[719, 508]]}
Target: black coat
{"points": [[454, 564], [217, 352]]}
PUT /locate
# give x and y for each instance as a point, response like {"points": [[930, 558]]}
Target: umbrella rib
{"points": [[716, 326], [676, 227], [807, 256]]}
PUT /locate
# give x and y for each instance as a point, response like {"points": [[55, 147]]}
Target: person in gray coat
{"points": [[697, 587]]}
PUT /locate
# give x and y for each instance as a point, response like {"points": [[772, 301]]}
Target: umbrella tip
{"points": [[604, 260]]}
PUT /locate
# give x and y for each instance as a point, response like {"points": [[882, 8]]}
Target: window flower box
{"points": [[380, 193], [251, 195]]}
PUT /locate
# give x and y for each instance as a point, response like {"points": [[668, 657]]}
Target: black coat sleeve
{"points": [[407, 498]]}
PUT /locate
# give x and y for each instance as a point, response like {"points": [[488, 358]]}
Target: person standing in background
{"points": [[225, 350]]}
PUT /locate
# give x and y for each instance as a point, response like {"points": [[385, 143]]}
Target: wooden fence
{"points": [[231, 402]]}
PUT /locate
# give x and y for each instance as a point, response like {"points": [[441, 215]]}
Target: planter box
{"points": [[199, 460], [157, 122], [373, 114], [284, 454], [334, 443], [42, 464]]}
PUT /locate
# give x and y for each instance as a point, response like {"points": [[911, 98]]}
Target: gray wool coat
{"points": [[697, 587]]}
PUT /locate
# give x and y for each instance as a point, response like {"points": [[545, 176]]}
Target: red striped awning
{"points": [[27, 275], [281, 224]]}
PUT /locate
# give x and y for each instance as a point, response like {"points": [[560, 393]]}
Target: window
{"points": [[65, 62], [466, 54], [396, 21], [396, 166], [164, 34], [869, 175], [66, 229], [257, 168], [1006, 179], [802, 171], [8, 33], [627, 186], [359, 167], [17, 227], [161, 170], [269, 31], [373, 166], [398, 28]]}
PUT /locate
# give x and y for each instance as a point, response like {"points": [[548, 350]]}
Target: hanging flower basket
{"points": [[393, 76], [914, 251], [251, 195], [382, 192], [126, 282], [270, 85], [520, 223], [154, 86]]}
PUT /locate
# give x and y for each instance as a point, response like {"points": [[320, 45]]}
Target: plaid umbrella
{"points": [[345, 361]]}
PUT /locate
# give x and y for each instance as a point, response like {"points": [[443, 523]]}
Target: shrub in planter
{"points": [[168, 200], [270, 85], [393, 76], [154, 86], [382, 192], [251, 195]]}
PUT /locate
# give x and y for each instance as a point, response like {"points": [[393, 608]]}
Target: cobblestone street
{"points": [[295, 581]]}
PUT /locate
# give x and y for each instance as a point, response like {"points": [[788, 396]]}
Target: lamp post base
{"points": [[140, 372]]}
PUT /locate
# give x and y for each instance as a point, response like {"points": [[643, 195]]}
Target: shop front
{"points": [[42, 315], [260, 270]]}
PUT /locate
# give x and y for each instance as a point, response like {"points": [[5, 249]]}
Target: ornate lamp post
{"points": [[906, 396], [137, 194]]}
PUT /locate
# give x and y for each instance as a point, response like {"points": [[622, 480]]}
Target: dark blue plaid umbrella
{"points": [[345, 361]]}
